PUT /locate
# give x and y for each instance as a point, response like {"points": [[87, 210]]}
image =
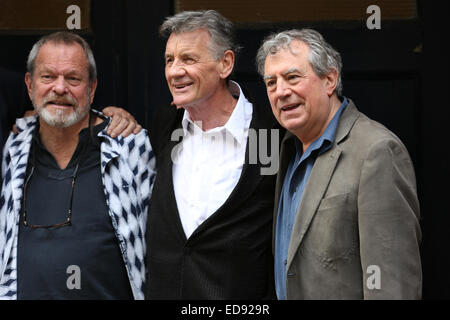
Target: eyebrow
{"points": [[290, 70], [44, 68], [71, 72], [182, 54]]}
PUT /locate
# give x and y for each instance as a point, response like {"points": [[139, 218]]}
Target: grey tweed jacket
{"points": [[356, 234]]}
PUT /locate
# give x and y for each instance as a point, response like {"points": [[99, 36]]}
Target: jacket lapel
{"points": [[251, 176], [19, 151], [251, 172], [164, 173], [315, 189], [318, 181], [286, 154]]}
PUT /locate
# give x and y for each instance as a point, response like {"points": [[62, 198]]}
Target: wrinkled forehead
{"points": [[195, 40], [61, 51], [295, 47], [286, 57], [191, 37]]}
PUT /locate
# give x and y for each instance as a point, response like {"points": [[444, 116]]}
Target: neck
{"points": [[61, 142], [215, 111], [311, 134]]}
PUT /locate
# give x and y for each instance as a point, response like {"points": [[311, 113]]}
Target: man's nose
{"points": [[60, 85], [283, 89], [176, 70]]}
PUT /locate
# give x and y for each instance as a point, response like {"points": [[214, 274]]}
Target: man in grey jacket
{"points": [[346, 219]]}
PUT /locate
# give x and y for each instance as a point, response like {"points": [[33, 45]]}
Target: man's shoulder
{"points": [[360, 128], [368, 135], [372, 131], [27, 123], [262, 116], [164, 121], [129, 143], [167, 117]]}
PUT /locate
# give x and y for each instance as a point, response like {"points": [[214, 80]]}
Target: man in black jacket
{"points": [[210, 219]]}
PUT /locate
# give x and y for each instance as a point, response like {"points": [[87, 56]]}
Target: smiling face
{"points": [[60, 88], [300, 99], [193, 75]]}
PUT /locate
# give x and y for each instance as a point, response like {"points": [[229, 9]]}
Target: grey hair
{"points": [[220, 29], [322, 56], [66, 38]]}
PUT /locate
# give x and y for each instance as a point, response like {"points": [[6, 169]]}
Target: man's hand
{"points": [[122, 123]]}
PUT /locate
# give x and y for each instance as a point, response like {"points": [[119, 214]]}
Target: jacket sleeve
{"points": [[146, 167], [388, 218], [5, 155]]}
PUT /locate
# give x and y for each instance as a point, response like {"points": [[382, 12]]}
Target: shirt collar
{"points": [[324, 142], [83, 134], [236, 124]]}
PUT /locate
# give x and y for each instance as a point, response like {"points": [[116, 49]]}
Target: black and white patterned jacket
{"points": [[128, 170]]}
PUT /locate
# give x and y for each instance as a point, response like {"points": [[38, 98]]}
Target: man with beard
{"points": [[15, 103], [74, 201]]}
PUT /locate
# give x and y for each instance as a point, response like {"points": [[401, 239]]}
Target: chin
{"points": [[60, 119], [291, 126], [183, 103]]}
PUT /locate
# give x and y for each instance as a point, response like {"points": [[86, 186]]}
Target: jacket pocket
{"points": [[333, 233]]}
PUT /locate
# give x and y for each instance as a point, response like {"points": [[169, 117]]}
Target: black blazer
{"points": [[228, 256]]}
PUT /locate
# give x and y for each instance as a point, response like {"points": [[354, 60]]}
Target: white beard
{"points": [[59, 118]]}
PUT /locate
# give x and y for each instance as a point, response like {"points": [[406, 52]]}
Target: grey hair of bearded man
{"points": [[63, 37]]}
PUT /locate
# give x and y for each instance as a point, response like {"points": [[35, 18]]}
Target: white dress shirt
{"points": [[208, 164]]}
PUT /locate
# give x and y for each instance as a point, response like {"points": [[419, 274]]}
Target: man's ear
{"points": [[331, 81], [93, 87], [226, 64], [28, 81]]}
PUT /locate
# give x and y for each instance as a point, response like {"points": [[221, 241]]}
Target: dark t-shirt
{"points": [[81, 261]]}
